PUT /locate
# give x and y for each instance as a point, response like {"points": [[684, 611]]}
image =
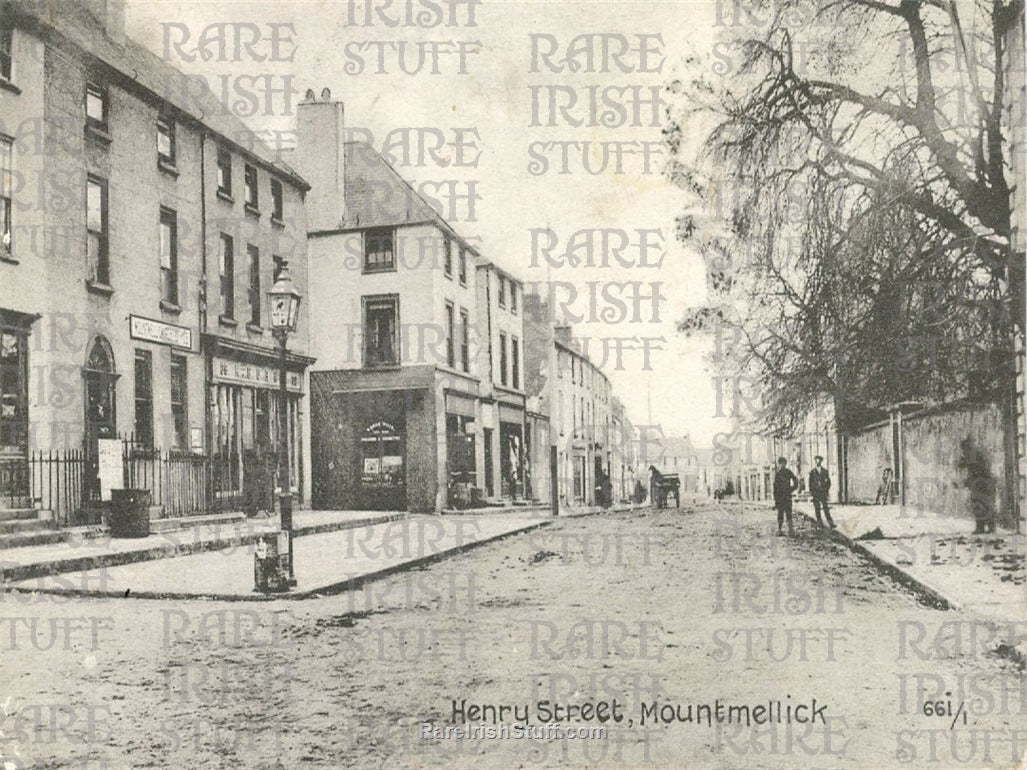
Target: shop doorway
{"points": [[382, 467]]}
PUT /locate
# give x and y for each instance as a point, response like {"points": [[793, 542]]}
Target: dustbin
{"points": [[130, 513]]}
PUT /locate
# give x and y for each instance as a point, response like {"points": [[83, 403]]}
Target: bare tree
{"points": [[851, 202]]}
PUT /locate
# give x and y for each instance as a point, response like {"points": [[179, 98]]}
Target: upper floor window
{"points": [[224, 172], [6, 40], [513, 297], [250, 181], [169, 256], [253, 292], [166, 141], [450, 336], [6, 206], [463, 266], [379, 253], [96, 230], [96, 106], [227, 276], [465, 340], [380, 322], [515, 363], [278, 263], [277, 205], [502, 291], [447, 256], [503, 380]]}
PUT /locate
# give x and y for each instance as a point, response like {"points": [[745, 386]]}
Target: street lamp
{"points": [[284, 300]]}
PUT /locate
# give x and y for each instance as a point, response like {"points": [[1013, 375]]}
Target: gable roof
{"points": [[139, 69]]}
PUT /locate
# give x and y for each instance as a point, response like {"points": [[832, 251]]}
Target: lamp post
{"points": [[284, 300]]}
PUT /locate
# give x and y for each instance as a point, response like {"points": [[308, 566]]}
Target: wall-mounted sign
{"points": [[147, 329], [253, 375]]}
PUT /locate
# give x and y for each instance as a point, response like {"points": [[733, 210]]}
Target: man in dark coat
{"points": [[784, 484], [819, 488]]}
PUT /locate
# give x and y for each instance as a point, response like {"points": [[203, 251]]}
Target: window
{"points": [[253, 293], [463, 266], [380, 322], [279, 263], [250, 182], [378, 250], [224, 172], [166, 141], [513, 297], [169, 256], [465, 340], [515, 363], [502, 359], [96, 230], [277, 206], [96, 106], [6, 39], [144, 398], [502, 291], [6, 207], [450, 337], [179, 401], [447, 256], [227, 277]]}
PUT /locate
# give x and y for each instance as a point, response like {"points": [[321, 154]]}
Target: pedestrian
{"points": [[819, 488], [884, 491], [784, 484]]}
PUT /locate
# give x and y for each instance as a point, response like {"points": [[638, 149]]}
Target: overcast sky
{"points": [[495, 96]]}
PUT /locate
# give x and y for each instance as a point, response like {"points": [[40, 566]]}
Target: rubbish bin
{"points": [[130, 513]]}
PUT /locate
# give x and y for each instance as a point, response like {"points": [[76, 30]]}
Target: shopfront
{"points": [[245, 429], [14, 403]]}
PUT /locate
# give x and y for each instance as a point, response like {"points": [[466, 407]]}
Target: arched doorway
{"points": [[99, 379]]}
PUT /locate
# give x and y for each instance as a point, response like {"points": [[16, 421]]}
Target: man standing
{"points": [[819, 487], [784, 484]]}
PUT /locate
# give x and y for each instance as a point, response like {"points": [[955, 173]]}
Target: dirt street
{"points": [[696, 637]]}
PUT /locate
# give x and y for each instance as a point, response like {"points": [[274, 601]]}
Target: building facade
{"points": [[139, 240], [419, 399]]}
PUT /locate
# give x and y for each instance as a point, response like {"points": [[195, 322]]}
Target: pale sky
{"points": [[495, 97]]}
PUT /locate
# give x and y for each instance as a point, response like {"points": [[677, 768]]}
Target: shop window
{"points": [[144, 398], [180, 400], [169, 256], [13, 389], [381, 449], [379, 250], [380, 324], [96, 230]]}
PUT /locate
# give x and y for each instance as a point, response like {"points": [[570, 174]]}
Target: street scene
{"points": [[512, 384]]}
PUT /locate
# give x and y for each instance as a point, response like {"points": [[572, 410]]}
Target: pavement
{"points": [[92, 549], [940, 558], [327, 562]]}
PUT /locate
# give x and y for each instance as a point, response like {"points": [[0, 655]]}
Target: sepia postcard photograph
{"points": [[513, 384]]}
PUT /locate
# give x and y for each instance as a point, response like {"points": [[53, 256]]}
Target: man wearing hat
{"points": [[819, 487], [784, 484]]}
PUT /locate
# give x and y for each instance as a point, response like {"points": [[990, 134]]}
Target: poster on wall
{"points": [[110, 466]]}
